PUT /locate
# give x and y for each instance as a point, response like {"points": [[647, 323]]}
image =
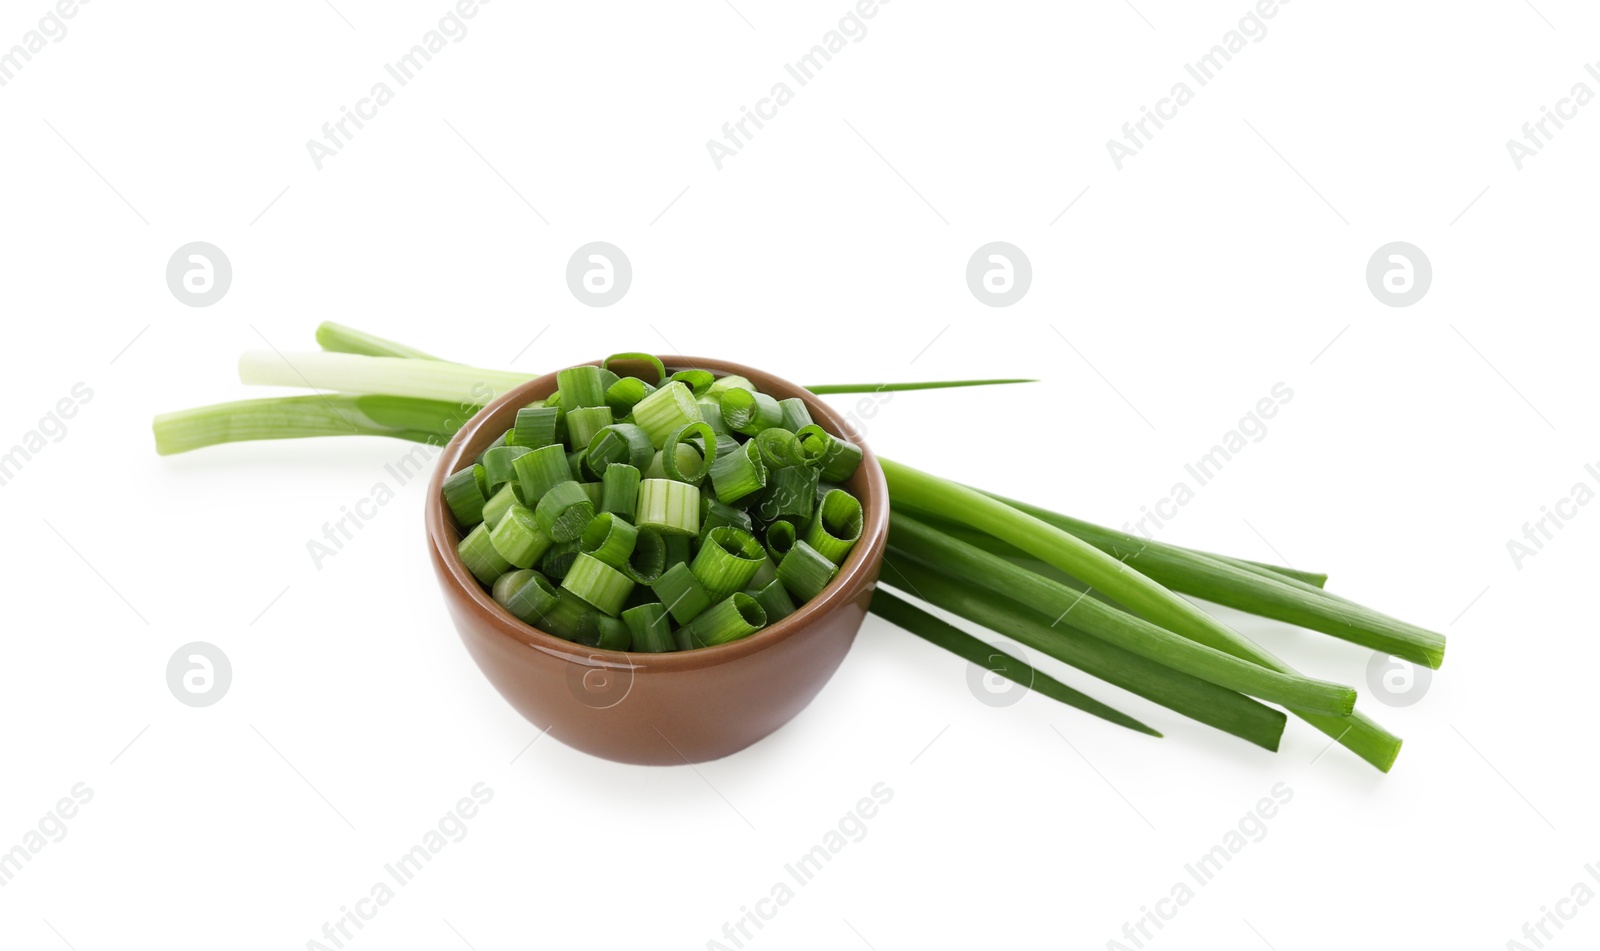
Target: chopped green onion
{"points": [[606, 633], [698, 381], [714, 514], [610, 539], [677, 549], [617, 444], [498, 463], [779, 448], [535, 426], [766, 574], [558, 560], [665, 410], [463, 492], [580, 387], [647, 358], [681, 592], [669, 507], [518, 539], [722, 384], [836, 527], [791, 494], [738, 474], [651, 628], [541, 470], [805, 572], [649, 557], [781, 536], [727, 561], [909, 617], [480, 556], [564, 511], [526, 593], [734, 617], [499, 504], [565, 617], [624, 394], [712, 411], [774, 600], [795, 415], [583, 423], [749, 412], [676, 452], [597, 584], [621, 495], [838, 457]]}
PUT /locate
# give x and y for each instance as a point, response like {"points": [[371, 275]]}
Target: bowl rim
{"points": [[858, 566]]}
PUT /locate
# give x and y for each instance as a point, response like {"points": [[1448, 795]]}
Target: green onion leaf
{"points": [[908, 616]]}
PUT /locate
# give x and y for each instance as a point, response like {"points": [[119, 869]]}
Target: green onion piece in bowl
{"points": [[564, 511], [597, 584], [681, 592], [610, 539], [734, 617], [836, 527], [669, 507], [580, 387], [805, 572], [651, 628], [727, 560]]}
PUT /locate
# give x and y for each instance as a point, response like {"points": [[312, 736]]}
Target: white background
{"points": [[1227, 257]]}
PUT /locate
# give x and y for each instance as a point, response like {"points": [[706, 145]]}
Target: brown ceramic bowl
{"points": [[688, 706]]}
